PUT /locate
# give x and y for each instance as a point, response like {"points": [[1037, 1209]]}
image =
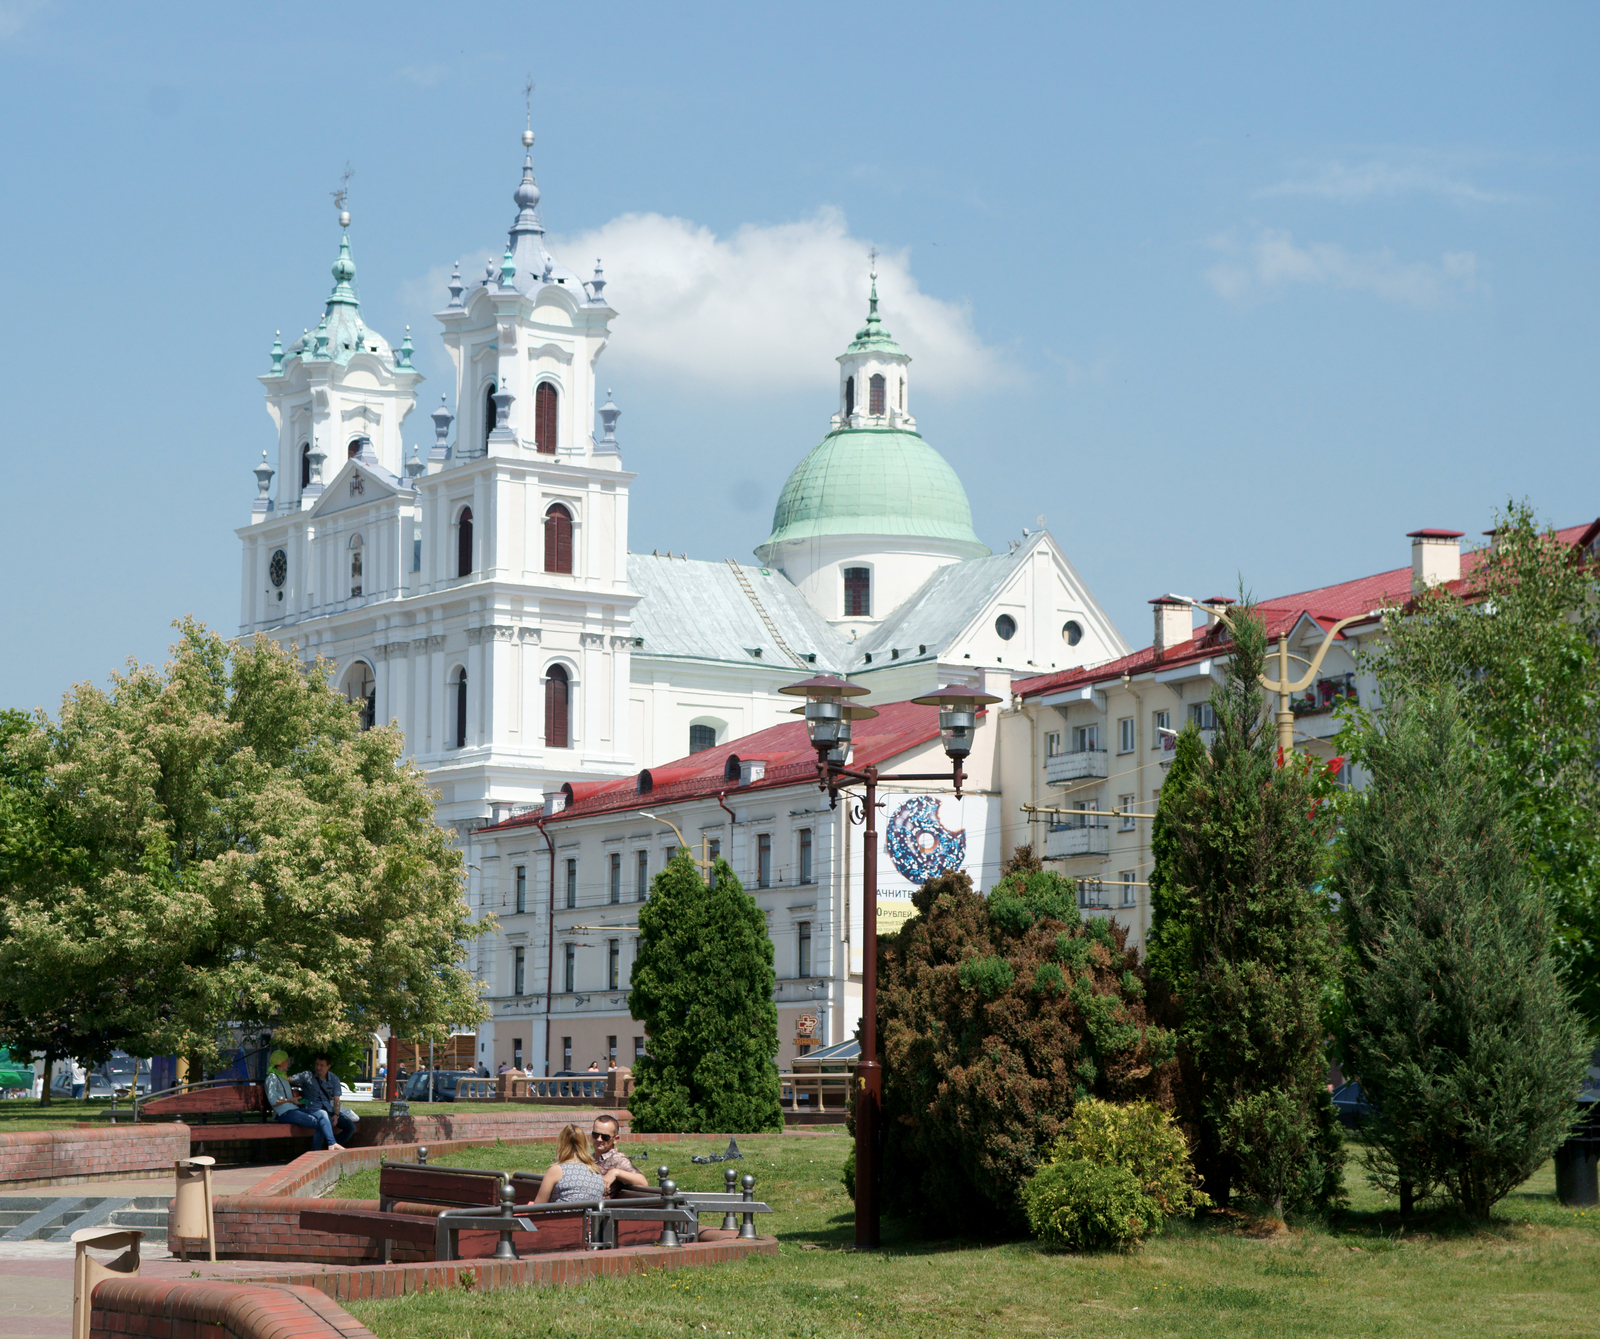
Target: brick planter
{"points": [[91, 1153], [206, 1310]]}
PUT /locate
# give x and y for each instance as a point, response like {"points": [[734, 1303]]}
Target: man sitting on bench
{"points": [[322, 1088], [615, 1165], [280, 1097]]}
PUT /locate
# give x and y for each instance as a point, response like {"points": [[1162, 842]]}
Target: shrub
{"points": [[996, 1016], [1082, 1205], [1141, 1138]]}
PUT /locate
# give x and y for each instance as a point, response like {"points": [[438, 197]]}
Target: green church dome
{"points": [[874, 481]]}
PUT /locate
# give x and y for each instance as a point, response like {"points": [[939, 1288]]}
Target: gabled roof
{"points": [[699, 611], [787, 752], [376, 483], [1325, 604]]}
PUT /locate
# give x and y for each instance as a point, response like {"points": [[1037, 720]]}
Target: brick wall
{"points": [[91, 1153], [153, 1309], [461, 1122]]}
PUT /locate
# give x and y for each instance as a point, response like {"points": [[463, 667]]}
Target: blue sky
{"points": [[1221, 291]]}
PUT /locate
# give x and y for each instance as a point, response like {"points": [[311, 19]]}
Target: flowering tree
{"points": [[225, 846]]}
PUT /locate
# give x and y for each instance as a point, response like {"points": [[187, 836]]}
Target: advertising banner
{"points": [[923, 836]]}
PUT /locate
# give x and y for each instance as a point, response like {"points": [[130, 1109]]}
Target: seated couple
{"points": [[322, 1112], [578, 1174]]}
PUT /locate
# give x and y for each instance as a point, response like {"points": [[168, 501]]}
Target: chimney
{"points": [[1435, 557], [1174, 626], [1215, 607]]}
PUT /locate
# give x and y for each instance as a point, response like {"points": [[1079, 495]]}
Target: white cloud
{"points": [[1354, 183], [769, 306], [766, 308], [1273, 260]]}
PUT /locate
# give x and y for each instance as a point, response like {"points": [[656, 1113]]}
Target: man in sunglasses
{"points": [[617, 1168]]}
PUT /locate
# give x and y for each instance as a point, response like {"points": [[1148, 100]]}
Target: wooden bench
{"points": [[201, 1105], [468, 1223]]}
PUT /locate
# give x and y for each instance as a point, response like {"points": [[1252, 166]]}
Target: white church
{"points": [[479, 590]]}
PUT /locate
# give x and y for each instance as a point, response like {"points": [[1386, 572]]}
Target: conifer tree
{"points": [[1463, 1038], [702, 986], [1166, 945], [1249, 831]]}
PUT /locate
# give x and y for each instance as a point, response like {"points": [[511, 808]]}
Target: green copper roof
{"points": [[872, 337], [874, 481]]}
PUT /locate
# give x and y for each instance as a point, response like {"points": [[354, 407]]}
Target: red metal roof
{"points": [[1326, 604], [790, 759]]}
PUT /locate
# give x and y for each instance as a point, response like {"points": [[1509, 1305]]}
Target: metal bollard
{"points": [[661, 1177], [507, 1249], [730, 1183], [669, 1231], [422, 1155], [748, 1230]]}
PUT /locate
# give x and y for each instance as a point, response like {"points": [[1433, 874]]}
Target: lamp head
{"points": [[828, 715], [958, 716]]}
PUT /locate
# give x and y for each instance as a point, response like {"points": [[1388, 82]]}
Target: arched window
{"points": [[360, 689], [464, 543], [558, 539], [460, 741], [858, 592], [875, 387], [702, 737], [557, 700], [354, 449], [355, 566], [730, 769], [849, 396], [546, 418], [489, 423], [305, 466]]}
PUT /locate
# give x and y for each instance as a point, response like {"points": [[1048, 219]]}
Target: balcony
{"points": [[1081, 766], [1325, 695], [1080, 837]]}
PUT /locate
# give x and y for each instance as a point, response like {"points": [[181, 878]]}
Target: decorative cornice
{"points": [[531, 636], [595, 640], [384, 650], [494, 632], [621, 643], [426, 643]]}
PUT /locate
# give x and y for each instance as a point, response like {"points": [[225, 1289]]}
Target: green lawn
{"points": [[1535, 1270]]}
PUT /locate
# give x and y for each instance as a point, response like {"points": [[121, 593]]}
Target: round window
{"points": [[1072, 631], [1006, 626], [278, 568]]}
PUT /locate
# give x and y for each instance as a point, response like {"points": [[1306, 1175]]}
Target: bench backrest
{"points": [[224, 1099], [437, 1185]]}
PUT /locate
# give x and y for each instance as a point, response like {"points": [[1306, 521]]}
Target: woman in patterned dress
{"points": [[574, 1175]]}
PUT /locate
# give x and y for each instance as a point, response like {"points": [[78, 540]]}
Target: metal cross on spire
{"points": [[873, 254], [342, 195]]}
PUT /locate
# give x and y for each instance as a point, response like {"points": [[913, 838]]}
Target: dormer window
{"points": [[546, 418], [730, 771], [489, 423], [858, 592], [849, 396], [875, 389]]}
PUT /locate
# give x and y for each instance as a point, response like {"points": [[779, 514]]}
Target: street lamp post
{"points": [[1282, 685], [829, 720]]}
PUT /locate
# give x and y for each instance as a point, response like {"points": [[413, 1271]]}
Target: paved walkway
{"points": [[36, 1276]]}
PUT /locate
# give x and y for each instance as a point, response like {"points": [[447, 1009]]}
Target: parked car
{"points": [[126, 1074], [444, 1084], [96, 1084], [1350, 1103]]}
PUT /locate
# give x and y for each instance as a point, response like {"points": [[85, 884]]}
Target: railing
{"points": [[1065, 767], [613, 1087], [815, 1092]]}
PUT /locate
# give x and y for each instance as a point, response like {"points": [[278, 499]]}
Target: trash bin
{"points": [[87, 1271], [1578, 1160], [193, 1217]]}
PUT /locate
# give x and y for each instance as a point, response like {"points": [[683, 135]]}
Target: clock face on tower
{"points": [[278, 568]]}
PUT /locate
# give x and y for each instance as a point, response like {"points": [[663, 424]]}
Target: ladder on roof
{"points": [[777, 637]]}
